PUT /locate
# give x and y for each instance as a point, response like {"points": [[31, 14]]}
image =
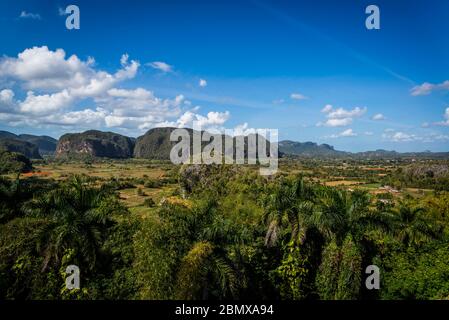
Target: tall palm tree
{"points": [[289, 205], [78, 215], [344, 218], [211, 265], [412, 227], [10, 193]]}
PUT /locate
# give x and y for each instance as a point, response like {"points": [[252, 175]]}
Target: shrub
{"points": [[140, 192], [151, 183], [149, 202]]}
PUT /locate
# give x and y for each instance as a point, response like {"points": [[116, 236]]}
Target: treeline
{"points": [[434, 176], [234, 235]]}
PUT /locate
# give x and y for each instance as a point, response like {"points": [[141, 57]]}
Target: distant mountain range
{"points": [[313, 150], [29, 145], [156, 144], [308, 149]]}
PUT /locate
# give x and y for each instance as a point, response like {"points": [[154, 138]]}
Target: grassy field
{"points": [[129, 169], [335, 174]]}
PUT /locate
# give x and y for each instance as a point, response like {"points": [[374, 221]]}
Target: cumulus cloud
{"points": [[45, 103], [243, 130], [67, 80], [6, 96], [212, 119], [427, 88], [336, 122], [341, 113], [340, 117], [29, 15], [345, 133], [55, 86], [7, 102], [160, 65], [445, 122], [139, 108], [75, 118], [297, 96], [202, 83], [399, 136], [42, 69], [378, 117]]}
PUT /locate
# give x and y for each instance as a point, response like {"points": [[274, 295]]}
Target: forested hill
{"points": [[95, 143], [156, 144], [29, 145]]}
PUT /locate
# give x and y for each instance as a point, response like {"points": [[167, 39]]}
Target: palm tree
{"points": [[344, 218], [211, 265], [289, 205], [78, 215], [11, 196], [412, 227]]}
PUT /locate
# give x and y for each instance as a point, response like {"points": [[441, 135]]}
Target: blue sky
{"points": [[265, 64]]}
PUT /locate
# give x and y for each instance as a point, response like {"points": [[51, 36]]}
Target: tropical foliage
{"points": [[223, 233]]}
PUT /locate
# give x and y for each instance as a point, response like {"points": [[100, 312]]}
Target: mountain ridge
{"points": [[24, 143], [156, 144]]}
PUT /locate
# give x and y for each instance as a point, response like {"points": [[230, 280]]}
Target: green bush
{"points": [[149, 202]]}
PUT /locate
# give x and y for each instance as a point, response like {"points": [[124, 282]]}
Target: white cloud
{"points": [[202, 83], [297, 96], [162, 66], [327, 108], [340, 117], [368, 133], [6, 96], [57, 85], [139, 108], [427, 88], [42, 69], [212, 119], [70, 79], [335, 122], [45, 103], [29, 15], [445, 122], [345, 133], [76, 118], [399, 136], [7, 103], [243, 130], [341, 113], [378, 117], [136, 94]]}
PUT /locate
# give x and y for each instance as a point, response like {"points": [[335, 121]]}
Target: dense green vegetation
{"points": [[96, 144], [13, 162], [26, 148], [221, 232]]}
